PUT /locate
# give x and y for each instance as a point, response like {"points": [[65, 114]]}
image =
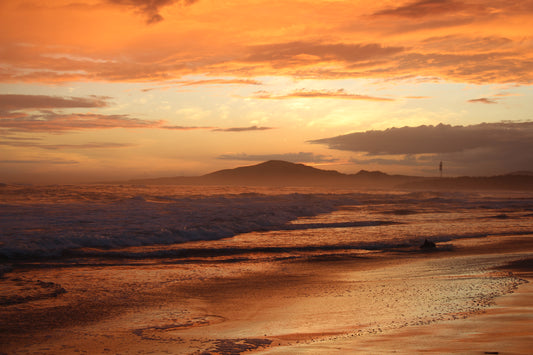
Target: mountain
{"points": [[270, 173], [275, 172], [282, 173]]}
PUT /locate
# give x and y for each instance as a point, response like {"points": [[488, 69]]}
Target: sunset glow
{"points": [[99, 90]]}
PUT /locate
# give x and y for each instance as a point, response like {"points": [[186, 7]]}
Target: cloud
{"points": [[184, 128], [90, 145], [290, 53], [433, 139], [460, 58], [50, 121], [242, 129], [424, 8], [28, 113], [204, 82], [150, 8], [486, 147], [336, 40], [324, 94], [302, 157], [483, 100], [436, 9], [12, 102], [464, 43], [220, 82]]}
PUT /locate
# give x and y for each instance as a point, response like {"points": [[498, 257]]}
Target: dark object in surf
{"points": [[428, 245]]}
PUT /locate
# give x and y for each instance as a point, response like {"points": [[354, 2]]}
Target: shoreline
{"points": [[504, 327], [319, 306]]}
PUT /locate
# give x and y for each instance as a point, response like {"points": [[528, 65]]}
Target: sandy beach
{"points": [[456, 299]]}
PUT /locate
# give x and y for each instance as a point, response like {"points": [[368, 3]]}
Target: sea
{"points": [[218, 269], [72, 223]]}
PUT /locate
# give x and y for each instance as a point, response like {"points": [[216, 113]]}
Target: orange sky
{"points": [[107, 89]]}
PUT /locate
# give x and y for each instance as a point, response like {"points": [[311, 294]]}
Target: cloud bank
{"points": [[425, 8], [280, 54], [434, 139], [461, 41], [58, 146], [243, 129], [36, 113], [12, 102], [50, 121], [502, 147]]}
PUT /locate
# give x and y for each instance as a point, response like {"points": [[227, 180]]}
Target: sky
{"points": [[98, 90]]}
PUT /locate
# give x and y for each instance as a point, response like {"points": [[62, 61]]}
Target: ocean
{"points": [[210, 222]]}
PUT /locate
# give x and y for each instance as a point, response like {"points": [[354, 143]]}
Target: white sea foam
{"points": [[49, 229]]}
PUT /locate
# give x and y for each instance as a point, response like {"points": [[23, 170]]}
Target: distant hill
{"points": [[276, 172], [282, 173]]}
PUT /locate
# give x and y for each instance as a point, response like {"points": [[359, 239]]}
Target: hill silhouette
{"points": [[275, 172], [283, 173]]}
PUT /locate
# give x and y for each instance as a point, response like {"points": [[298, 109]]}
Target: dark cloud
{"points": [[483, 100], [482, 67], [242, 129], [302, 157], [326, 94], [457, 43], [482, 148], [463, 58], [150, 8], [91, 145], [291, 53], [434, 139], [185, 128], [12, 102], [50, 121], [424, 8], [473, 8]]}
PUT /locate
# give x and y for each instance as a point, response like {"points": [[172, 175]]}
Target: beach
{"points": [[343, 274], [450, 301]]}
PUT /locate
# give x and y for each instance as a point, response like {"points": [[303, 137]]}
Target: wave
{"points": [[38, 230], [52, 222]]}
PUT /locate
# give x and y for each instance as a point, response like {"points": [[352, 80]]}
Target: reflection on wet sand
{"points": [[419, 300]]}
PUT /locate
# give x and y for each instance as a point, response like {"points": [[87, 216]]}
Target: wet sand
{"points": [[457, 299]]}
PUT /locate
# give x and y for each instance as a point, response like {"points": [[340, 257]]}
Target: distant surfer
{"points": [[440, 168]]}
